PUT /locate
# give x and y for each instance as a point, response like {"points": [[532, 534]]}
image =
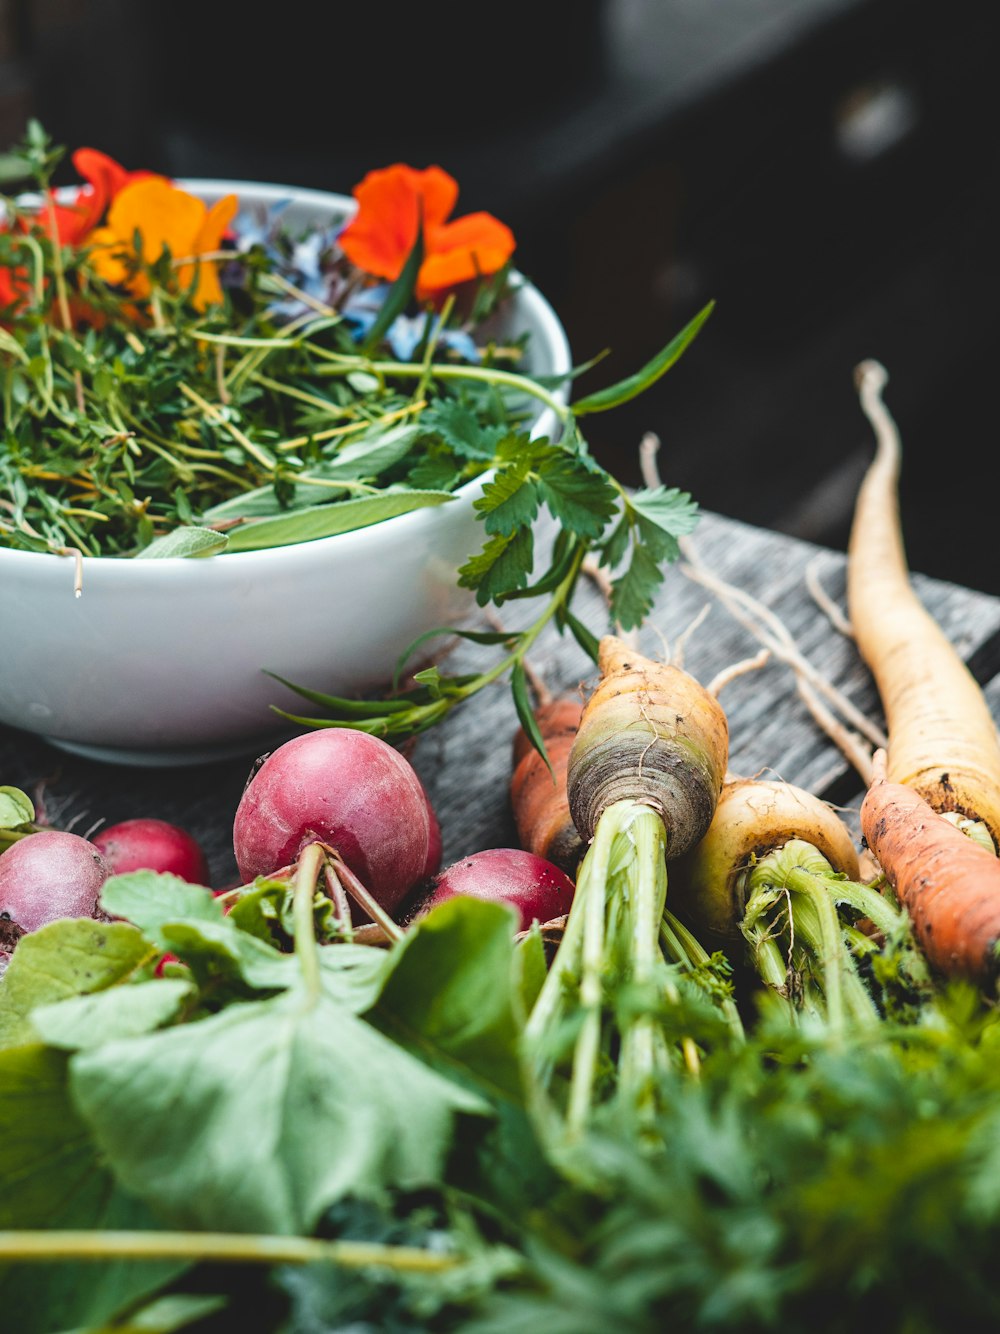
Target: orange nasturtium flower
{"points": [[71, 223], [106, 178], [380, 236], [163, 217]]}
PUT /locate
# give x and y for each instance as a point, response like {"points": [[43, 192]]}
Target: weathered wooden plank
{"points": [[465, 761]]}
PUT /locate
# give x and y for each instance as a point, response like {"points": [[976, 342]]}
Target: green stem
{"points": [[303, 922], [647, 877], [813, 889], [591, 888], [45, 1246], [341, 363]]}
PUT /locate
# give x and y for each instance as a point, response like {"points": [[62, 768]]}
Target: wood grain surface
{"points": [[465, 761]]}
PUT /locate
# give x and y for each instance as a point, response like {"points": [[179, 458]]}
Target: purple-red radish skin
{"points": [[146, 844], [49, 875], [537, 889], [349, 790]]}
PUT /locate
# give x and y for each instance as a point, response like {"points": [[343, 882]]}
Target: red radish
{"points": [[152, 845], [538, 890], [349, 790], [45, 876]]}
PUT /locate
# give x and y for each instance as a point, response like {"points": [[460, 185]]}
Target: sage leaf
{"points": [[346, 516], [188, 541]]}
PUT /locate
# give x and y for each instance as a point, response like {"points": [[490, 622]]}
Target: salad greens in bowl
{"points": [[258, 441]]}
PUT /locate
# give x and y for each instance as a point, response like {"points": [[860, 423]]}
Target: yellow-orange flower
{"points": [[383, 232], [165, 218]]}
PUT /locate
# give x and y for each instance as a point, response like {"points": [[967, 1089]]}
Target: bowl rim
{"points": [[544, 313]]}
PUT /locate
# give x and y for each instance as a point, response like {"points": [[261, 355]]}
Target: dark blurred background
{"points": [[818, 167]]}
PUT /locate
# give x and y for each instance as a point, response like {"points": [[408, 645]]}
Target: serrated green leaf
{"points": [[509, 501], [261, 1116], [663, 515], [580, 498], [614, 549], [614, 395], [189, 541], [70, 957], [503, 564], [316, 521], [633, 593]]}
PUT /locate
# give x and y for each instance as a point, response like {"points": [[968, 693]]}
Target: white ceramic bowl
{"points": [[165, 661]]}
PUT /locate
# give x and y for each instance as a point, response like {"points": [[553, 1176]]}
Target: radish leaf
{"points": [[52, 1177], [120, 1012], [69, 957], [449, 995], [261, 1116]]}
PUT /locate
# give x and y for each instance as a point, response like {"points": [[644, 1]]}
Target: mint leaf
{"points": [[502, 566], [260, 1117]]}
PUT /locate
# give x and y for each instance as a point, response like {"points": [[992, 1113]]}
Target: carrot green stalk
{"points": [[644, 773], [942, 737], [778, 867], [948, 883]]}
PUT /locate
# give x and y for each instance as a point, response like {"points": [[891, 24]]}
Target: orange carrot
{"points": [[538, 793], [948, 883], [942, 737]]}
